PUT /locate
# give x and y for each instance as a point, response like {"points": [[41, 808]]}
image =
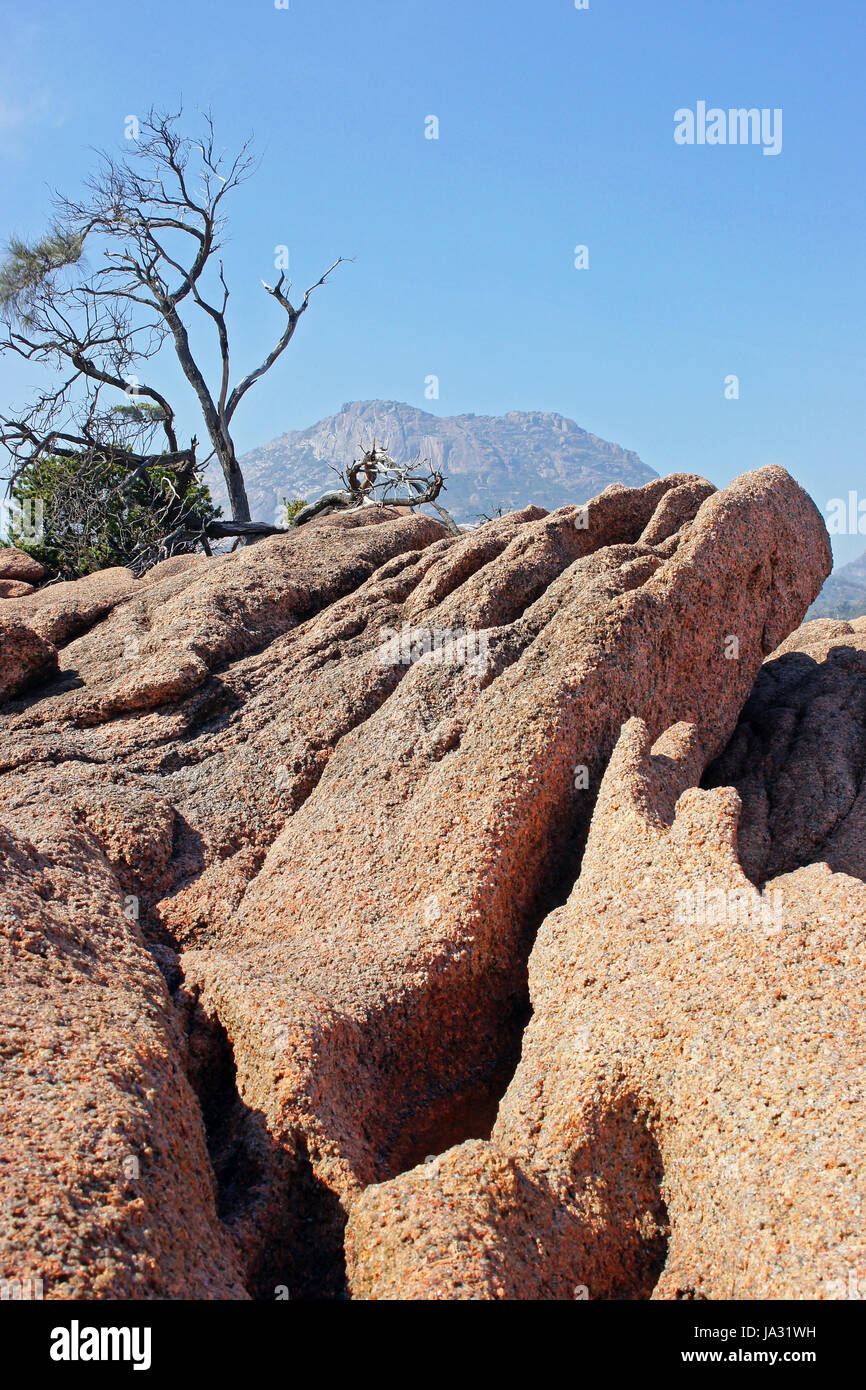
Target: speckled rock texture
{"points": [[339, 778], [106, 1187], [106, 1184], [15, 588], [34, 628], [17, 565], [687, 1119], [798, 757], [385, 932]]}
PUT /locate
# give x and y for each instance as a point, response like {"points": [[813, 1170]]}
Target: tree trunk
{"points": [[445, 515], [235, 485], [216, 424], [246, 531]]}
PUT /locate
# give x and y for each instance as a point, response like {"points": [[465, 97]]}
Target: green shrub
{"points": [[290, 509], [89, 524]]}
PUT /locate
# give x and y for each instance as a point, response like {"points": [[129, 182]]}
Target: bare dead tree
{"points": [[101, 295], [484, 517], [376, 478]]}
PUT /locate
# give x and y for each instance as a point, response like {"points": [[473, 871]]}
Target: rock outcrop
{"points": [[335, 782], [34, 628], [687, 1119], [107, 1190], [798, 757], [17, 565]]}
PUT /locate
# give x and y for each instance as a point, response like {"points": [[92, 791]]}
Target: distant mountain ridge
{"points": [[843, 594], [489, 461]]}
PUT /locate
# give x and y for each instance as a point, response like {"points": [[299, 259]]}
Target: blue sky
{"points": [[555, 129]]}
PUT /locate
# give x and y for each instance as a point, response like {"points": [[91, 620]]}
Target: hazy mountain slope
{"points": [[844, 594], [489, 461]]}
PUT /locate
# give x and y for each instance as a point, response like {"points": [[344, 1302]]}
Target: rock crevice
{"points": [[339, 779]]}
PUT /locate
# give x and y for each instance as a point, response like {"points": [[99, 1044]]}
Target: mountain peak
{"points": [[489, 461]]}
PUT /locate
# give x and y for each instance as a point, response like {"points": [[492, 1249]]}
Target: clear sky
{"points": [[555, 130]]}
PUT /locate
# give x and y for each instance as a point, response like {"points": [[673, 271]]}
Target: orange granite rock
{"points": [[106, 1187], [687, 1119], [18, 565], [344, 773]]}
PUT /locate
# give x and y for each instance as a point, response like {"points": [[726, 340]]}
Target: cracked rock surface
{"points": [[330, 786], [687, 1119]]}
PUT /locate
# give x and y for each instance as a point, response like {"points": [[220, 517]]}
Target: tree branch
{"points": [[294, 315]]}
